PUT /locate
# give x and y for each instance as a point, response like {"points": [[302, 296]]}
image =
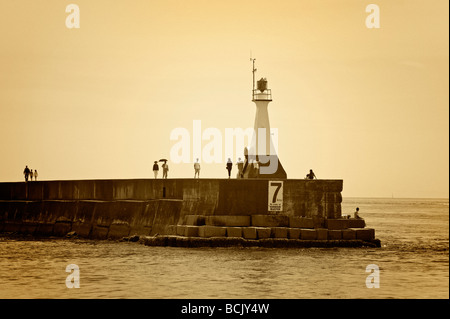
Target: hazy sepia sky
{"points": [[369, 106]]}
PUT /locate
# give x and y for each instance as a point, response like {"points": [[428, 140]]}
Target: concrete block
{"points": [[300, 222], [336, 224], [294, 233], [181, 230], [348, 234], [322, 234], [356, 223], [250, 233], [263, 232], [234, 231], [99, 232], [28, 227], [308, 234], [10, 227], [145, 230], [62, 228], [191, 231], [118, 230], [212, 231], [171, 230], [194, 220], [319, 222], [365, 233], [334, 234], [228, 220], [270, 220], [279, 232], [83, 229], [103, 221], [45, 229]]}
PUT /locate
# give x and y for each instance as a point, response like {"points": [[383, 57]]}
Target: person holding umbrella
{"points": [[165, 167]]}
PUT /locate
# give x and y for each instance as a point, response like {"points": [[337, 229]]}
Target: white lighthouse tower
{"points": [[262, 160]]}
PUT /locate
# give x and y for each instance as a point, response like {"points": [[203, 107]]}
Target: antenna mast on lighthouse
{"points": [[253, 71]]}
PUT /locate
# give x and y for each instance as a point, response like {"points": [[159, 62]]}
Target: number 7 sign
{"points": [[275, 196]]}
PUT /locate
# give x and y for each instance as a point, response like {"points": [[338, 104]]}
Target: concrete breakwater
{"points": [[191, 208], [178, 241]]}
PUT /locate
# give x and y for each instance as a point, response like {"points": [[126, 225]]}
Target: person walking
{"points": [[26, 172], [31, 175], [229, 167], [197, 169], [155, 169]]}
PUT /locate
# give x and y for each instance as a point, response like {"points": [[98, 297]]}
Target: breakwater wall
{"points": [[103, 209]]}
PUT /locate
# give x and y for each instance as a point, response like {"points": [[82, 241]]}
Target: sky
{"points": [[369, 106]]}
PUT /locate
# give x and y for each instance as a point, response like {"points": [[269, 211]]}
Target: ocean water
{"points": [[413, 262]]}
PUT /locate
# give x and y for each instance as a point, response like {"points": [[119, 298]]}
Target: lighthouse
{"points": [[261, 160]]}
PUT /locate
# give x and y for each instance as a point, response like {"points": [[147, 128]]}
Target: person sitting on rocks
{"points": [[356, 214]]}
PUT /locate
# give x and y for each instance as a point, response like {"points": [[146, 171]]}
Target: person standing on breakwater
{"points": [[240, 165], [165, 168], [26, 172], [31, 175], [197, 168], [311, 175], [229, 167], [155, 169], [35, 174]]}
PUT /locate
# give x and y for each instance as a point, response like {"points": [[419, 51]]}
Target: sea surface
{"points": [[413, 262]]}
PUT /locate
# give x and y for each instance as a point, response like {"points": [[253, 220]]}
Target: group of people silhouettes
{"points": [[28, 173], [240, 166], [165, 168], [228, 167]]}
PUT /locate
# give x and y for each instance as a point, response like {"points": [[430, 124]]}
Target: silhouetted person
{"points": [[197, 169], [155, 169], [240, 165], [229, 167], [165, 168], [26, 172], [311, 175], [35, 174], [31, 175], [356, 214]]}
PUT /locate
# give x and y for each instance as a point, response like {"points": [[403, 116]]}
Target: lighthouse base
{"points": [[267, 167]]}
